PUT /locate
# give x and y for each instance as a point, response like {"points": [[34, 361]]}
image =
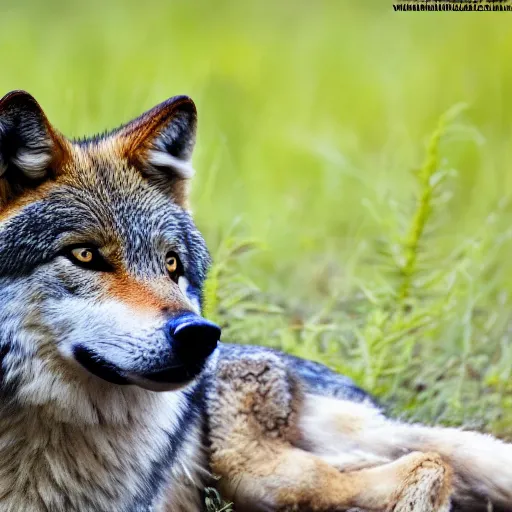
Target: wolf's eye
{"points": [[88, 257], [83, 254], [173, 265]]}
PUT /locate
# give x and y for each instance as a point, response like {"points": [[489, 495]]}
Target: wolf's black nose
{"points": [[193, 337]]}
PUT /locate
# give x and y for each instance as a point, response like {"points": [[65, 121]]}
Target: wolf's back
{"points": [[316, 378]]}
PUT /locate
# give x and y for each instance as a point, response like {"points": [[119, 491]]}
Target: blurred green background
{"points": [[312, 118]]}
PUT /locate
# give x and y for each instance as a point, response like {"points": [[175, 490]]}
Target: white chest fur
{"points": [[134, 466]]}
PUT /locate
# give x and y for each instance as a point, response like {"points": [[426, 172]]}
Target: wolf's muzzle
{"points": [[171, 359]]}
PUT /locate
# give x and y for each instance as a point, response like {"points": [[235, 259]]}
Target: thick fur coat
{"points": [[115, 395]]}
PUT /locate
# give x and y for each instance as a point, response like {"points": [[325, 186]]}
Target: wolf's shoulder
{"points": [[315, 377]]}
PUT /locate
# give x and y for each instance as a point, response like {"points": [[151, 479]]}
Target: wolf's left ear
{"points": [[160, 144], [30, 149]]}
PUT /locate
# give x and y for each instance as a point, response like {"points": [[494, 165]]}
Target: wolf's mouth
{"points": [[161, 364], [98, 366], [165, 379], [175, 374]]}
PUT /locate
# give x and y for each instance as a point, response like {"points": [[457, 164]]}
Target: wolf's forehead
{"points": [[114, 191], [115, 213], [103, 204]]}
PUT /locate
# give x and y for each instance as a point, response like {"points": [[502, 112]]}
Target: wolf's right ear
{"points": [[30, 149]]}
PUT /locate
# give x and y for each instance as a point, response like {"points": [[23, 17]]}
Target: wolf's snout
{"points": [[193, 337], [169, 359]]}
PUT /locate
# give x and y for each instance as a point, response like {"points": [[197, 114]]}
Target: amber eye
{"points": [[88, 257], [83, 254], [172, 264]]}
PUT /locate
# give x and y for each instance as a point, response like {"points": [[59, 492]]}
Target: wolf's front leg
{"points": [[254, 406], [280, 477], [482, 464]]}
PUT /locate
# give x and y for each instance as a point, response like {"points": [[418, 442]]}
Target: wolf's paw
{"points": [[427, 485]]}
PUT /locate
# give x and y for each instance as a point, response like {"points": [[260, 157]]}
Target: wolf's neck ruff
{"points": [[63, 466]]}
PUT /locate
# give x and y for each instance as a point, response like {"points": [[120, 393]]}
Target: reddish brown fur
{"points": [[10, 208], [142, 297], [137, 137]]}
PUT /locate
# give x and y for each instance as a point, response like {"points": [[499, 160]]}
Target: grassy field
{"points": [[353, 173]]}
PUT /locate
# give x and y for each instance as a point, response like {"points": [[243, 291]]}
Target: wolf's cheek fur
{"points": [[71, 309], [111, 330], [113, 320]]}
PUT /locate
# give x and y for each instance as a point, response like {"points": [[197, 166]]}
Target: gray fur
{"points": [[72, 442]]}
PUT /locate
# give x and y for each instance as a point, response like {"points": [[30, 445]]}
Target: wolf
{"points": [[116, 395]]}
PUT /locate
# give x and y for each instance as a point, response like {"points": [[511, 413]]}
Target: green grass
{"points": [[348, 223]]}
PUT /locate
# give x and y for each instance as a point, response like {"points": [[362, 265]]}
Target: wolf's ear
{"points": [[160, 143], [30, 148]]}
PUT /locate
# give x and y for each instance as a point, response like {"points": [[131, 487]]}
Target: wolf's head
{"points": [[101, 266]]}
